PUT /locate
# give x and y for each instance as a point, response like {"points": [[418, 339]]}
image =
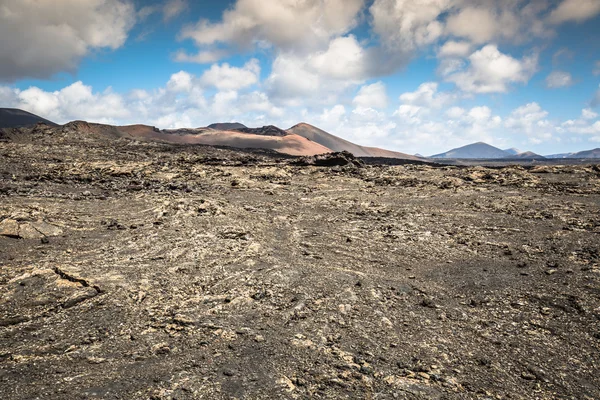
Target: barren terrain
{"points": [[136, 270]]}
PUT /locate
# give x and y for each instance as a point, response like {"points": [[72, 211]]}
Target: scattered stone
{"points": [[161, 348]]}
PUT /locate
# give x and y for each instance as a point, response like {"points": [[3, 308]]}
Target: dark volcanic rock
{"points": [[268, 130], [330, 159], [227, 126]]}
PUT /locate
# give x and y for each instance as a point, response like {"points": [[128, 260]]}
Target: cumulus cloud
{"points": [[587, 113], [411, 114], [559, 79], [181, 81], [491, 71], [477, 24], [53, 36], [585, 125], [427, 95], [455, 112], [185, 100], [202, 57], [405, 25], [285, 24], [76, 101], [530, 120], [455, 49], [344, 59], [371, 96], [226, 77], [574, 10], [321, 76]]}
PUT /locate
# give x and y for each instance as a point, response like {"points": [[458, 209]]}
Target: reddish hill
{"points": [[338, 144], [290, 144]]}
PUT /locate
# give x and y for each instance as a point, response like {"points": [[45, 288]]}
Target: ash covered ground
{"points": [[133, 270]]}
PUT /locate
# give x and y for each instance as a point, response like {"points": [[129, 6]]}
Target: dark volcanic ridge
{"points": [[15, 118], [269, 130], [227, 126]]}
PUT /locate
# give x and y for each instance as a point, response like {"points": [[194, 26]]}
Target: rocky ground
{"points": [[134, 270]]}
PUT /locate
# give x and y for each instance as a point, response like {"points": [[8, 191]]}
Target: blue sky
{"points": [[410, 75]]}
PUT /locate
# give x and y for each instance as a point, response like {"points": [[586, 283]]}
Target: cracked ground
{"points": [[133, 270]]}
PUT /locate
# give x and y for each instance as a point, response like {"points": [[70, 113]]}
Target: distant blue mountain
{"points": [[475, 150]]}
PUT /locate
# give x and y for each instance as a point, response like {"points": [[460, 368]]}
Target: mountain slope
{"points": [[338, 144], [290, 144], [594, 153], [528, 155], [474, 150], [513, 151], [15, 118]]}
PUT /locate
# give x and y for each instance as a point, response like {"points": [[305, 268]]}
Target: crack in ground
{"points": [[74, 279]]}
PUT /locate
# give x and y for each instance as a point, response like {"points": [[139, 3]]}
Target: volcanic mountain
{"points": [[289, 144], [15, 118], [338, 144], [477, 150], [527, 155]]}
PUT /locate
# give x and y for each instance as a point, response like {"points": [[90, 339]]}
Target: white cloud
{"points": [[344, 59], [530, 120], [455, 112], [491, 71], [42, 39], [371, 96], [76, 101], [405, 25], [427, 95], [202, 57], [559, 79], [333, 115], [477, 24], [575, 10], [260, 102], [226, 77], [320, 77], [291, 80], [285, 24], [596, 70], [410, 114], [455, 49], [581, 127], [587, 113], [480, 123], [181, 81]]}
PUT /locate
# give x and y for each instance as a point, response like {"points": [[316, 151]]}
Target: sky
{"points": [[416, 76]]}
